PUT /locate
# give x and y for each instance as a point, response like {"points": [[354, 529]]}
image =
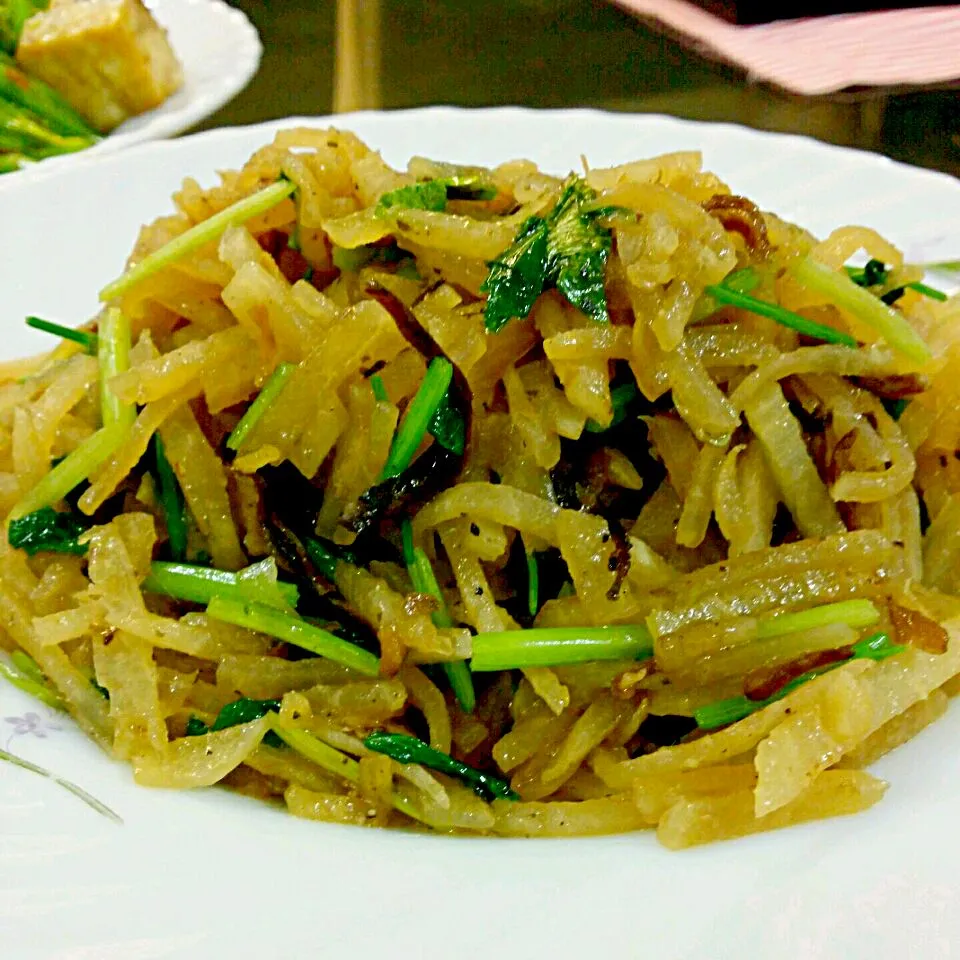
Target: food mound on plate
{"points": [[491, 501], [110, 59]]}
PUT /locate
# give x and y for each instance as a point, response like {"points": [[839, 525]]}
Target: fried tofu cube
{"points": [[108, 58]]}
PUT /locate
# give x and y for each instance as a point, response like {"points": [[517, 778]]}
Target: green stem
{"points": [[89, 341], [417, 419], [424, 580], [533, 582], [72, 470], [787, 318], [271, 390], [171, 502], [559, 646], [39, 690], [184, 581], [293, 629], [854, 613], [332, 760], [724, 712], [199, 235], [113, 352], [840, 290]]}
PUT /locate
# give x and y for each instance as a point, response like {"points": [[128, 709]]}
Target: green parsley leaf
{"points": [[517, 277], [448, 427], [577, 251], [47, 529], [429, 195]]}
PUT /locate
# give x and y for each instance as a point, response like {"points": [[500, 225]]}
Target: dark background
{"points": [[565, 53]]}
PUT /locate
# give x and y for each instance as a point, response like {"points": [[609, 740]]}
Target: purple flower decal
{"points": [[30, 724]]}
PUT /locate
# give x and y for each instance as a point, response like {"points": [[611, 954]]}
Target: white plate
{"points": [[211, 875], [220, 51]]}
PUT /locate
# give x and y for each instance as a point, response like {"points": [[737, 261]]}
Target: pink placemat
{"points": [[820, 55]]}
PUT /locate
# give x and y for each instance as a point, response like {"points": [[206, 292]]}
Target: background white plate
{"points": [[211, 875], [220, 51]]}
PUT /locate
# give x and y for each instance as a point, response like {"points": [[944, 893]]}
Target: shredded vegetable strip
{"points": [[837, 286], [559, 646], [197, 236], [271, 390], [417, 419]]}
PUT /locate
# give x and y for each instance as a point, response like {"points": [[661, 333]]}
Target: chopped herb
{"points": [[294, 630], [351, 261], [418, 417], [196, 584], [517, 277], [379, 390], [87, 340], [424, 580], [621, 398], [408, 269], [469, 186], [876, 273], [577, 251], [763, 308], [724, 712], [72, 470], [841, 291], [171, 501], [877, 646], [533, 582], [326, 554], [559, 646], [39, 689], [102, 690], [27, 666], [448, 426], [895, 407], [428, 195], [47, 529], [407, 749], [332, 760], [567, 250], [742, 281], [233, 714], [853, 613], [267, 395], [198, 235]]}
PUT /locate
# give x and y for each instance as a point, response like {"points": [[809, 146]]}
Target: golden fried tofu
{"points": [[109, 58]]}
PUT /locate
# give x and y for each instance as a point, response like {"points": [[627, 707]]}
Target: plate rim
{"points": [[95, 154]]}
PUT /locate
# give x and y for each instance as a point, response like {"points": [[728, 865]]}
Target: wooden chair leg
{"points": [[356, 82]]}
